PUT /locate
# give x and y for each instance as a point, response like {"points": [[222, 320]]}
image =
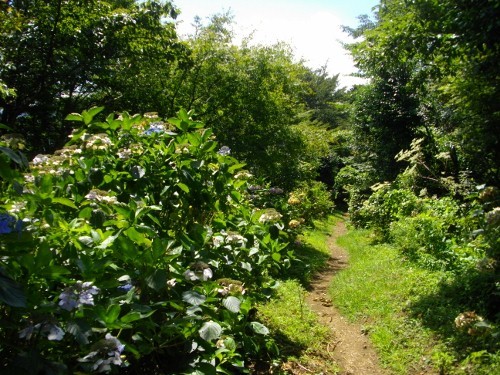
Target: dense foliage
{"points": [[66, 56], [423, 167], [142, 238], [136, 244], [62, 56]]}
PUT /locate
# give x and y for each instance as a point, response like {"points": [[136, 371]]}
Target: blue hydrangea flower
{"points": [[108, 352], [125, 287], [224, 151], [155, 128], [6, 223], [53, 332], [82, 293]]}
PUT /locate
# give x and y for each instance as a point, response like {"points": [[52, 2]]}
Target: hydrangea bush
{"points": [[134, 245]]}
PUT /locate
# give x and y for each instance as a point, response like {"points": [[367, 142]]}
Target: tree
{"points": [[434, 74], [62, 56], [251, 96], [324, 98]]}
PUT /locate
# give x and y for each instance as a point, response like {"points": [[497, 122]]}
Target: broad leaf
{"points": [[259, 328], [11, 292], [193, 298], [232, 304], [210, 331]]}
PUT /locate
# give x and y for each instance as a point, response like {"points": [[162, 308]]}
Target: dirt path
{"points": [[350, 348]]}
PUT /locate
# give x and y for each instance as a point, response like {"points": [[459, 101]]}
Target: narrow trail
{"points": [[351, 348]]}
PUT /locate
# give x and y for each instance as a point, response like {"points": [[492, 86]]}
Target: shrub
{"points": [[133, 245]]}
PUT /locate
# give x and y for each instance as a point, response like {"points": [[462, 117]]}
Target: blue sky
{"points": [[311, 27]]}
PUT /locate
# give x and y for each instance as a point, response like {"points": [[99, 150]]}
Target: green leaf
{"points": [[137, 237], [11, 292], [203, 368], [131, 317], [232, 304], [108, 241], [183, 115], [230, 344], [88, 116], [16, 158], [112, 313], [86, 240], [135, 315], [259, 328], [210, 331], [64, 201], [157, 280], [184, 187], [193, 298], [74, 117], [235, 167], [46, 184]]}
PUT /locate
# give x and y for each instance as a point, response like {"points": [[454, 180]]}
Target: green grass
{"points": [[405, 310], [296, 328], [312, 249], [299, 335]]}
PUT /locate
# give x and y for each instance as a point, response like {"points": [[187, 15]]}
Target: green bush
{"points": [[310, 200], [384, 206], [133, 245]]}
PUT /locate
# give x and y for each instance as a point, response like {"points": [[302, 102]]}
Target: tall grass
{"points": [[404, 311]]}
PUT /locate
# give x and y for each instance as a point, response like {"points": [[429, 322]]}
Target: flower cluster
{"points": [[155, 128], [269, 215], [198, 271], [56, 164], [235, 238], [467, 321], [493, 217], [98, 142], [101, 196], [228, 238], [230, 287], [107, 352], [276, 191], [14, 141], [82, 293], [224, 151], [7, 223], [253, 188], [243, 175], [293, 200], [53, 332], [127, 153]]}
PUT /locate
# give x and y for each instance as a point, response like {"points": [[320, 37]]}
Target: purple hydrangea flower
{"points": [[82, 293], [224, 151], [108, 352], [276, 191], [155, 128], [53, 332]]}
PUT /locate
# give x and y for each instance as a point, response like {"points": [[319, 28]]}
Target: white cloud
{"points": [[315, 35]]}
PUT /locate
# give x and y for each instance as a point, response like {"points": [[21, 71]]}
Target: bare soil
{"points": [[350, 348]]}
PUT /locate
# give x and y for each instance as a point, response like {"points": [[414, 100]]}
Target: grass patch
{"points": [[311, 249], [296, 329], [403, 308]]}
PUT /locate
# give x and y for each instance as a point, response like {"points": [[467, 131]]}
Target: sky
{"points": [[311, 27]]}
